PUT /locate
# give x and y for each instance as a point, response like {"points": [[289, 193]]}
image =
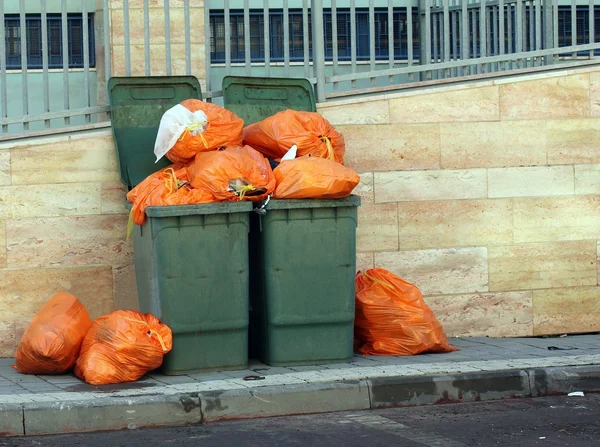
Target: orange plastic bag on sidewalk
{"points": [[167, 187], [195, 126], [121, 347], [313, 178], [52, 340], [308, 130], [393, 319], [233, 173]]}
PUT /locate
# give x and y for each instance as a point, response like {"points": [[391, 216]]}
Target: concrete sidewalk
{"points": [[483, 369]]}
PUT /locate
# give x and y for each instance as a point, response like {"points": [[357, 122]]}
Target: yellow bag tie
{"points": [[330, 151], [379, 281], [193, 127], [151, 331], [242, 192], [130, 224]]}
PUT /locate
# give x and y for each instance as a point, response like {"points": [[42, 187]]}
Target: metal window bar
{"points": [[65, 58], [519, 30], [372, 37], [455, 38], [434, 39], [207, 47], [488, 34], [86, 57], [495, 37], [555, 26], [509, 26], [409, 40], [107, 55], [483, 33], [227, 38], [305, 39], [391, 51], [592, 24], [353, 38], [474, 68], [24, 86], [45, 77], [446, 5], [538, 28], [334, 39], [247, 52], [266, 35], [464, 34], [502, 13], [318, 47], [286, 38], [574, 25]]}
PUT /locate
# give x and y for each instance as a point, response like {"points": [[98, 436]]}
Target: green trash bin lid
{"points": [[137, 105], [254, 99]]}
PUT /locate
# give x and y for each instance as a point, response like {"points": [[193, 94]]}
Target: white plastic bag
{"points": [[173, 124]]}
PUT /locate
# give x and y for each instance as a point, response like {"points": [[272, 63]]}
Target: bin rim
{"points": [[199, 209], [284, 204]]}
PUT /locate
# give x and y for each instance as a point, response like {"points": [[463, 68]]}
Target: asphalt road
{"points": [[555, 421]]}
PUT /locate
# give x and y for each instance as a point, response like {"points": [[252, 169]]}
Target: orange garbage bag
{"points": [[233, 173], [313, 178], [167, 187], [121, 347], [195, 126], [312, 133], [393, 319], [52, 340]]}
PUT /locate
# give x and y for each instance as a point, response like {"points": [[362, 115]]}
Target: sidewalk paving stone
{"points": [[296, 389]]}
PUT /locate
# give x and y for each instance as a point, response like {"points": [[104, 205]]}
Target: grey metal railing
{"points": [[37, 106], [390, 44]]}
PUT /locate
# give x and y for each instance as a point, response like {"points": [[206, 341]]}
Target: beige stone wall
{"points": [[62, 228], [158, 65], [486, 196]]}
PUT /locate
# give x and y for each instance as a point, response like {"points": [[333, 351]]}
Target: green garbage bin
{"points": [[303, 275], [191, 261], [303, 252]]}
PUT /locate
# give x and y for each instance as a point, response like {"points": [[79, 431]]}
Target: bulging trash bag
{"points": [[51, 343], [313, 178], [122, 347], [308, 130], [393, 319], [169, 186], [195, 126], [233, 173]]}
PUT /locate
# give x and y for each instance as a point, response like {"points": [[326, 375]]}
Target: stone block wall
{"points": [[62, 228], [486, 196]]}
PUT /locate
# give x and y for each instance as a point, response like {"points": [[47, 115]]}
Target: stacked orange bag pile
{"points": [[318, 172], [211, 164]]}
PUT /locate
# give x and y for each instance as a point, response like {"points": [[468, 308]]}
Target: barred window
{"points": [[33, 23]]}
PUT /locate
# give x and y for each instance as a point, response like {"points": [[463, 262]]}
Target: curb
{"points": [[114, 413]]}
